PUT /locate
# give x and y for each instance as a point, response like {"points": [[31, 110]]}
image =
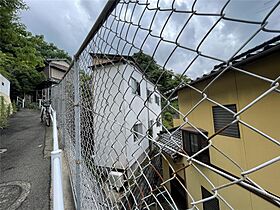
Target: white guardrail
{"points": [[20, 101], [56, 166]]}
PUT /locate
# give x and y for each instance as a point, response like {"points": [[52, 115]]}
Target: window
{"points": [[212, 204], [157, 99], [158, 122], [149, 96], [193, 142], [150, 127], [137, 131], [3, 83], [135, 86], [222, 118]]}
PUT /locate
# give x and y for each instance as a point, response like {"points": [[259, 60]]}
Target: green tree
{"points": [[21, 53], [19, 57], [48, 50], [165, 80]]}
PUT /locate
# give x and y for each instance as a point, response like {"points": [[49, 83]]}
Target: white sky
{"points": [[67, 22]]}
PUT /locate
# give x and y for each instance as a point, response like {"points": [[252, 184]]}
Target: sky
{"points": [[63, 22], [67, 22]]}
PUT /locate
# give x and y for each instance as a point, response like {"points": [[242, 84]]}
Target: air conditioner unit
{"points": [[116, 179]]}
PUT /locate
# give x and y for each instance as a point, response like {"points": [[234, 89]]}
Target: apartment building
{"points": [[128, 104], [243, 147]]}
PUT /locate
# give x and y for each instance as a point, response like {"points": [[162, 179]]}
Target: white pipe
{"points": [[40, 103], [58, 203], [55, 136]]}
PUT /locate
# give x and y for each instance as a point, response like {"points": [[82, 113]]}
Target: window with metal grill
{"points": [[135, 86], [193, 142], [137, 131], [150, 127], [157, 99], [222, 118], [212, 204], [149, 96], [158, 122]]}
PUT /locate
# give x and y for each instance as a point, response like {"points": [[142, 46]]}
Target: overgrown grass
{"points": [[14, 105], [5, 112], [32, 105]]}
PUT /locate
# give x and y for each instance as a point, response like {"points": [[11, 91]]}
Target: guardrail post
{"points": [[55, 135], [40, 103], [58, 202], [77, 133], [56, 166]]}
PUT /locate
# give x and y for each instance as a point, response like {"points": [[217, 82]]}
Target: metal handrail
{"points": [[56, 166], [20, 100]]}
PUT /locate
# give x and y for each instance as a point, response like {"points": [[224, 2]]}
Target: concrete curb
{"points": [[67, 189]]}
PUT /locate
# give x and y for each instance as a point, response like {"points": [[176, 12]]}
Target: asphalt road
{"points": [[24, 159]]}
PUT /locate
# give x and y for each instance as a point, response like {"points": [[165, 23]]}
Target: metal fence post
{"points": [[77, 133], [63, 114]]}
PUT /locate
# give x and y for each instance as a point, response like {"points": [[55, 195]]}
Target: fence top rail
{"points": [[109, 7]]}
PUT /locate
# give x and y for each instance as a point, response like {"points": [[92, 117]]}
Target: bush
{"points": [[14, 107], [3, 113], [32, 105]]}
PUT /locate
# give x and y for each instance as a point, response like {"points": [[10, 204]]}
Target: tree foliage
{"points": [[165, 80], [48, 50], [21, 53]]}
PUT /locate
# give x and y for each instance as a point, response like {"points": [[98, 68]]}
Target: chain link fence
{"points": [[175, 105]]}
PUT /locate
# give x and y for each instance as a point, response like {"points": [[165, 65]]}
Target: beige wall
{"points": [[61, 62], [57, 74], [251, 149], [54, 73]]}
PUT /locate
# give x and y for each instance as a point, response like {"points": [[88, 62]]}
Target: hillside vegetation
{"points": [[22, 54]]}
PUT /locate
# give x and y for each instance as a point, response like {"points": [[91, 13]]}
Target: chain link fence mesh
{"points": [[134, 108]]}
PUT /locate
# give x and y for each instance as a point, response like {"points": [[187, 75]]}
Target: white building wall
{"points": [[108, 118], [140, 111], [4, 86], [117, 109]]}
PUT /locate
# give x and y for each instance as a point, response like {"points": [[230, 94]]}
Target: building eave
{"points": [[258, 52], [115, 59]]}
